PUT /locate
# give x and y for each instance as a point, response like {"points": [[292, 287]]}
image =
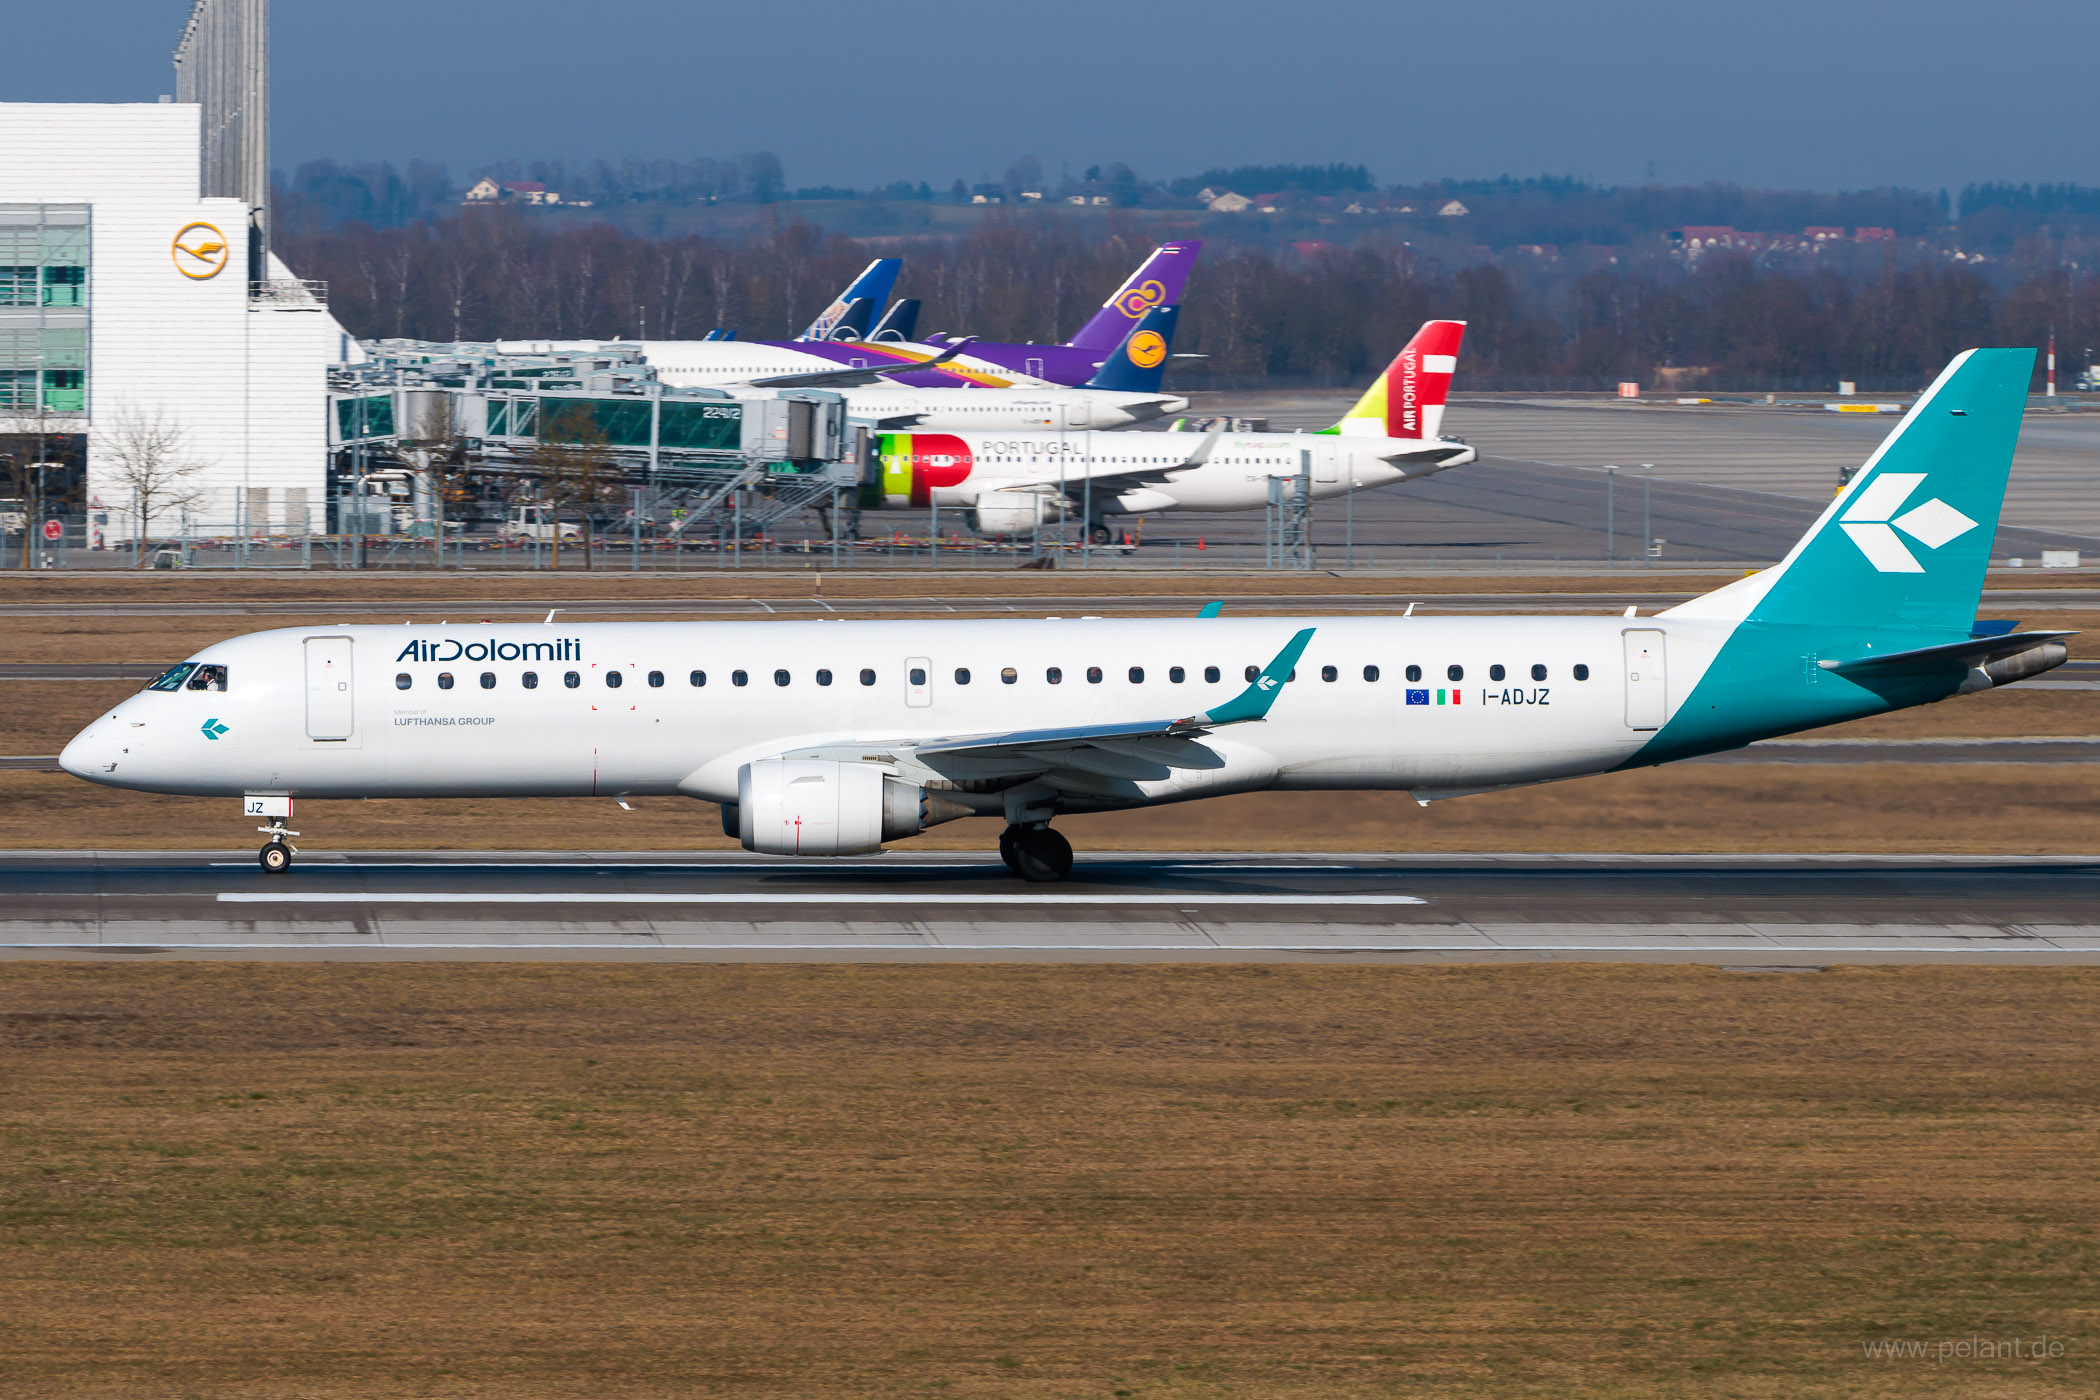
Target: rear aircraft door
{"points": [[1647, 679], [1326, 463], [1035, 368], [330, 698], [1079, 415], [918, 682]]}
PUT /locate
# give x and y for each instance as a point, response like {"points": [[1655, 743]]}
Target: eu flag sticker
{"points": [[1417, 697]]}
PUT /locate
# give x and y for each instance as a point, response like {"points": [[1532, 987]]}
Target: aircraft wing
{"points": [[846, 376], [1125, 478], [1144, 750]]}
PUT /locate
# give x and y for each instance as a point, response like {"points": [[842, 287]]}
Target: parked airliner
{"points": [[831, 738], [1015, 483]]}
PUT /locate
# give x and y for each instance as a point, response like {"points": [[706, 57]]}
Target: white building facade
{"points": [[126, 306]]}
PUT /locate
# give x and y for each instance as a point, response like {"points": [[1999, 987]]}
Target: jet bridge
{"points": [[695, 462]]}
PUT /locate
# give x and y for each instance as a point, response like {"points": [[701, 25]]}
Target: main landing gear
{"points": [[1037, 854]]}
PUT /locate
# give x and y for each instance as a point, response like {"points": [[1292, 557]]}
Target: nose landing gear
{"points": [[1037, 854], [276, 854]]}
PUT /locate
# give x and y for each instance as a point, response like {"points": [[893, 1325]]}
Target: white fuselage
{"points": [[1236, 475], [288, 724], [700, 364], [901, 408]]}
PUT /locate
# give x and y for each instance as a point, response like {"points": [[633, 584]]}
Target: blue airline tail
{"points": [[873, 286], [1139, 364]]}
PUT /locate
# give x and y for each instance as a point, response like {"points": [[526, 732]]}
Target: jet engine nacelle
{"points": [[820, 807], [1019, 513]]}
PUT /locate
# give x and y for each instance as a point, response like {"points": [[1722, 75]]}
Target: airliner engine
{"points": [[1019, 513], [819, 807]]}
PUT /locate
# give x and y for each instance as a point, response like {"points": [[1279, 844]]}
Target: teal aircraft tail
{"points": [[1874, 609]]}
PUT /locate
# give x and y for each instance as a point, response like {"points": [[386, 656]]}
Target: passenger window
{"points": [[208, 678], [1496, 672], [173, 677], [1582, 672], [1252, 672], [697, 679], [530, 680], [740, 678], [488, 680], [1414, 673], [1210, 673], [613, 680], [962, 675], [823, 678], [1137, 675], [918, 675], [1055, 675], [1009, 676], [444, 680], [1538, 673], [403, 681], [1370, 673], [867, 677], [1093, 675], [1329, 673], [1176, 674], [1456, 673], [780, 678], [656, 680], [571, 679]]}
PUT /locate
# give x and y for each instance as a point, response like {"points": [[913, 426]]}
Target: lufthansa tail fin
{"points": [[1407, 399], [1139, 364], [1905, 544], [1158, 281]]}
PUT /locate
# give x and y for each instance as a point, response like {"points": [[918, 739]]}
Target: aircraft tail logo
{"points": [[1138, 365], [1407, 401], [1871, 522], [1157, 283]]}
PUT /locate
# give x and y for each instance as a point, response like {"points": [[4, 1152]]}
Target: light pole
{"points": [[1611, 477], [1647, 515]]}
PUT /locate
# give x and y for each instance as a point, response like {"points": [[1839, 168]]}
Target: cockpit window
{"points": [[173, 677], [208, 678]]}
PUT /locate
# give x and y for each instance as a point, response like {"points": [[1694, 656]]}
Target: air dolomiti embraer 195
{"points": [[831, 738]]}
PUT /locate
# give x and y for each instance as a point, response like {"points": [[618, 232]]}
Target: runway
{"points": [[1736, 911]]}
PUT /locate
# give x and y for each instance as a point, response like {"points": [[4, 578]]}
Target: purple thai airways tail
{"points": [[1157, 283]]}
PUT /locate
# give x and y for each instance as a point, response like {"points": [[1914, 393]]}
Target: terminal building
{"points": [[141, 315]]}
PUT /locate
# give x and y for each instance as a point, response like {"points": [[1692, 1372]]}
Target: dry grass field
{"points": [[338, 1181]]}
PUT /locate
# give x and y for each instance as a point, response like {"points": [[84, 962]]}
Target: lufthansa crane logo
{"points": [[199, 252], [1141, 298], [1147, 348]]}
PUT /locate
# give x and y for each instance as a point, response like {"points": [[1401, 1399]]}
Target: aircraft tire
{"points": [[1007, 844], [1042, 856], [275, 858]]}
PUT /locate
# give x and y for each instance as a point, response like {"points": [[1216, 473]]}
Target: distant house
{"points": [[1538, 250], [1452, 209], [1206, 195], [1230, 203], [487, 191], [1356, 209], [1822, 233], [1031, 194], [1700, 238], [1874, 235], [1075, 199]]}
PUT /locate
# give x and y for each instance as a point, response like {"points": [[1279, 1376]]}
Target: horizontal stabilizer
{"points": [[1954, 656]]}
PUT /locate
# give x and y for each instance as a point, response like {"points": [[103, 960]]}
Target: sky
{"points": [[1776, 94]]}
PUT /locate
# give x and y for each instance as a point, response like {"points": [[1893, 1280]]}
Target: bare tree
{"points": [[147, 456], [573, 466], [437, 450], [30, 438]]}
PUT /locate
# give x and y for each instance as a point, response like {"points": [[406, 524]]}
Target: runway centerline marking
{"points": [[782, 897]]}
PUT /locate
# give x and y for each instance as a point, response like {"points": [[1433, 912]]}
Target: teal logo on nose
{"points": [[213, 729]]}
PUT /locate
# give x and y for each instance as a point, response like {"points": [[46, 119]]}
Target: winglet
{"points": [[1253, 702], [1212, 609]]}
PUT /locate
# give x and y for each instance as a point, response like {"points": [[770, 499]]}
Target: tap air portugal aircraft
{"points": [[1015, 483], [833, 361], [829, 738]]}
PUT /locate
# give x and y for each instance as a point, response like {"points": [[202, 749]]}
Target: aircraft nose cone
{"points": [[79, 756]]}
